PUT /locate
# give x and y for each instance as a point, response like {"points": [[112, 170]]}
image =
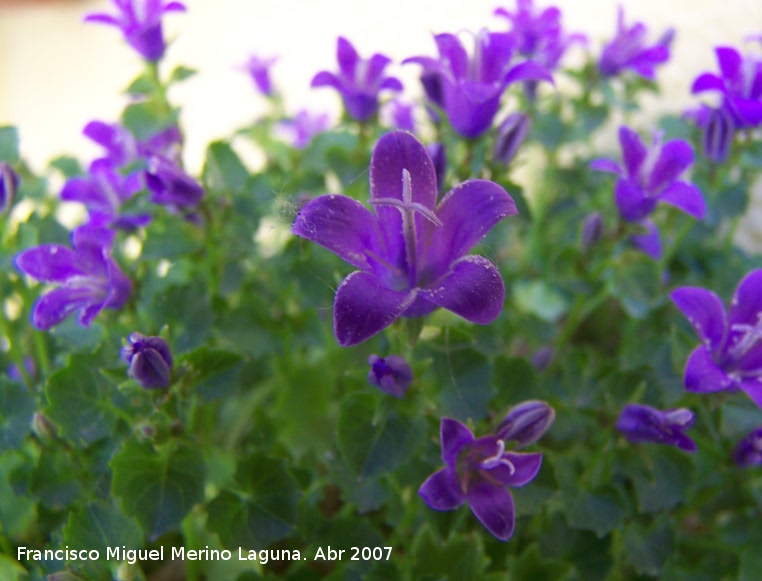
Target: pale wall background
{"points": [[57, 73]]}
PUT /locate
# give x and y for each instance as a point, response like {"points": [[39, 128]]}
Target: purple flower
{"points": [[410, 254], [121, 146], [103, 191], [651, 175], [391, 374], [150, 361], [359, 81], [538, 34], [592, 231], [644, 424], [438, 155], [259, 70], [399, 115], [748, 452], [170, 185], [511, 134], [89, 280], [729, 357], [9, 184], [304, 126], [471, 87], [140, 23], [739, 83], [526, 422], [479, 472], [628, 50]]}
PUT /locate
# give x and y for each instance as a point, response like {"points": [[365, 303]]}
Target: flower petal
{"points": [[49, 263], [730, 62], [753, 389], [633, 150], [342, 225], [453, 435], [472, 289], [364, 307], [608, 165], [347, 57], [703, 375], [451, 51], [528, 71], [674, 158], [53, 307], [686, 197], [526, 467], [468, 212], [493, 506], [707, 82], [705, 311], [746, 306], [326, 79], [650, 242], [631, 200], [440, 491]]}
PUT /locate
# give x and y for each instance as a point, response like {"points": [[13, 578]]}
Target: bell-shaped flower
{"points": [[730, 354], [302, 127], [644, 424], [140, 23], [651, 175], [103, 192], [511, 134], [629, 50], [469, 88], [748, 452], [739, 83], [411, 254], [258, 69], [359, 81], [89, 280], [391, 374], [149, 359], [479, 472], [170, 185]]}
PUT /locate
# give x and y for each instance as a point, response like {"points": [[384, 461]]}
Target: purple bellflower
{"points": [[651, 175], [469, 88], [410, 254], [359, 81], [479, 472], [729, 357], [511, 134], [170, 185], [538, 34], [89, 280], [399, 115], [140, 23], [391, 374], [748, 452], [628, 50], [739, 83], [103, 191], [644, 424], [149, 359], [9, 184], [303, 127], [258, 69], [718, 129]]}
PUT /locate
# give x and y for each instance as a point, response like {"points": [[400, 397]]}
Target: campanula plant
{"points": [[303, 361]]}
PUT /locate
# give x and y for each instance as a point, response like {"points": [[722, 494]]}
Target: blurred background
{"points": [[57, 73]]}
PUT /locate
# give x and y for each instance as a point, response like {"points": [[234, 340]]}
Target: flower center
{"points": [[497, 460], [750, 336], [408, 209]]}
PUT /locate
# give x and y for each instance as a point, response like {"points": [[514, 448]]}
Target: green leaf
{"points": [[17, 406], [142, 85], [78, 401], [159, 488], [664, 481], [101, 524], [266, 513], [648, 548], [751, 565], [223, 169], [69, 166], [538, 298], [180, 73], [9, 144], [534, 565], [17, 508], [215, 371], [374, 443], [467, 389], [459, 558], [11, 569], [171, 238], [55, 481], [636, 281], [599, 510]]}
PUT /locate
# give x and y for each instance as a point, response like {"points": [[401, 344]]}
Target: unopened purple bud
{"points": [[719, 131], [592, 231], [391, 374], [526, 422], [170, 185], [438, 156], [9, 184], [644, 424], [511, 134], [542, 357], [749, 450], [150, 361]]}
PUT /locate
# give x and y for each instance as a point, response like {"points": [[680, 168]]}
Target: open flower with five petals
{"points": [[729, 357], [140, 23], [359, 81], [469, 88], [651, 175], [89, 279], [411, 253], [479, 472]]}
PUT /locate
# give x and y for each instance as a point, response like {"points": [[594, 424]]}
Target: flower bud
{"points": [[644, 424], [526, 422], [542, 357], [391, 374], [719, 130], [749, 450], [9, 184], [150, 361], [43, 427], [592, 231], [511, 135]]}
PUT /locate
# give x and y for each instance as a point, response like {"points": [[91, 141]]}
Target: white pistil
{"points": [[751, 335], [497, 459]]}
